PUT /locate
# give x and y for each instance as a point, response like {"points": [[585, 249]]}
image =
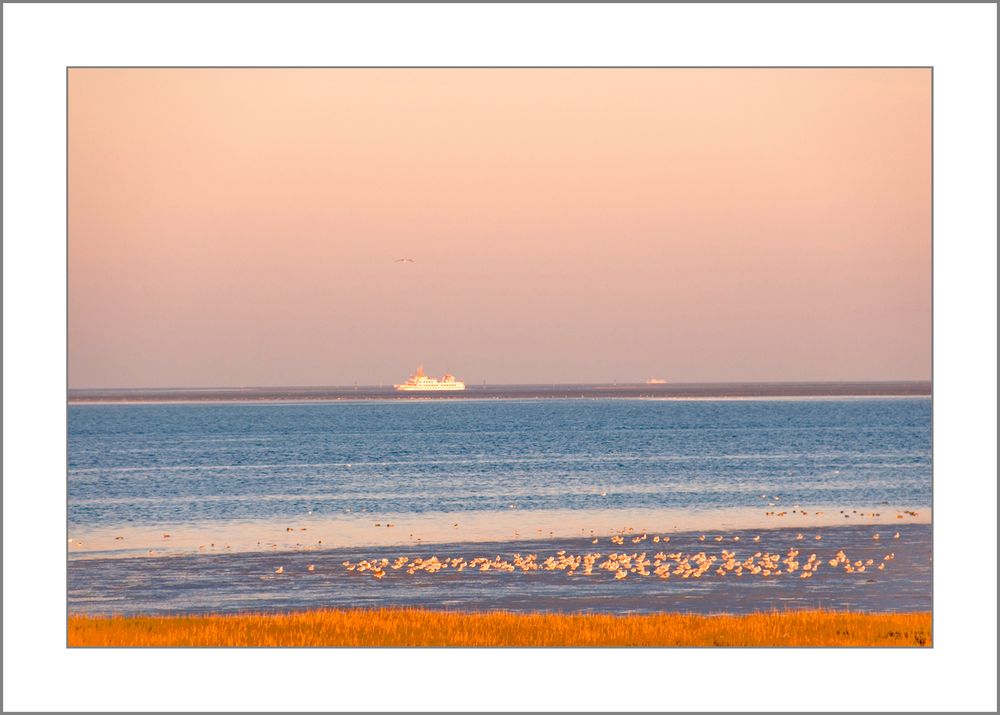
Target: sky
{"points": [[236, 228]]}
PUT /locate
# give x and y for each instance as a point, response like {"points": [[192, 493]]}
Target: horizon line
{"points": [[485, 383]]}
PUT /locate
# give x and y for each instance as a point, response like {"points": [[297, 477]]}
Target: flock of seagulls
{"points": [[622, 565], [854, 512]]}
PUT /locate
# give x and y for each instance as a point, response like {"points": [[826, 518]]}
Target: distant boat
{"points": [[419, 382], [655, 381]]}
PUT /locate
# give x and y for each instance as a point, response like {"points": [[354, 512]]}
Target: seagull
{"points": [[404, 260]]}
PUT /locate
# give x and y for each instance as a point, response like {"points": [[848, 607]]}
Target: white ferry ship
{"points": [[420, 382]]}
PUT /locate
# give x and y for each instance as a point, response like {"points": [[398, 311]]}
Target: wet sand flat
{"points": [[319, 532], [282, 581]]}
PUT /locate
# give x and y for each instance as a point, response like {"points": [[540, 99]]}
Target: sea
{"points": [[193, 507]]}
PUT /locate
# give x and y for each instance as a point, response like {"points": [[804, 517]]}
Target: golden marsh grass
{"points": [[410, 627]]}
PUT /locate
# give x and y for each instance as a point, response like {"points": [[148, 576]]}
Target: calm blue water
{"points": [[171, 463], [243, 489]]}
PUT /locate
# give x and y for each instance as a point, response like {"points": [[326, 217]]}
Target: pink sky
{"points": [[240, 227]]}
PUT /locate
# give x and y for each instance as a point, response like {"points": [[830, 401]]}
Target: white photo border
{"points": [[42, 40]]}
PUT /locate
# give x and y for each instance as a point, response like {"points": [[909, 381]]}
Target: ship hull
{"points": [[419, 382], [441, 388]]}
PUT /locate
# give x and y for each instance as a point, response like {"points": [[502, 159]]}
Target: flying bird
{"points": [[405, 260]]}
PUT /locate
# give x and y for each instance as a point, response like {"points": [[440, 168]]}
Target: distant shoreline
{"points": [[745, 390]]}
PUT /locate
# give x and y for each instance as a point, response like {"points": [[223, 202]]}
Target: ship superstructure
{"points": [[419, 382]]}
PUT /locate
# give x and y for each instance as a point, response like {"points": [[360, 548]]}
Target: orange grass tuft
{"points": [[406, 627]]}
